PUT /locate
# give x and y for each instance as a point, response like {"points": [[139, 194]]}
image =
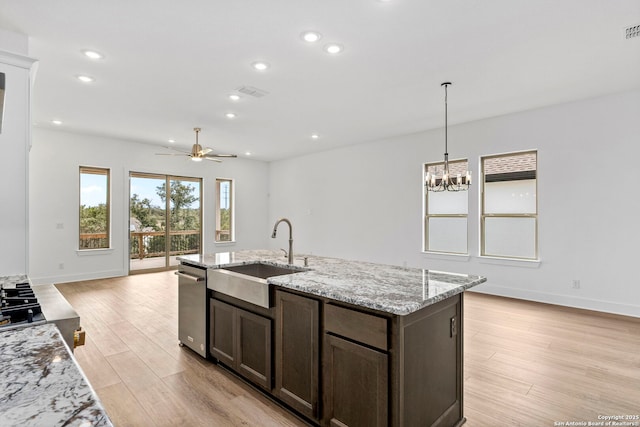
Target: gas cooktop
{"points": [[18, 303]]}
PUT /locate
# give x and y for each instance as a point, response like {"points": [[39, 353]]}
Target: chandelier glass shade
{"points": [[436, 182]]}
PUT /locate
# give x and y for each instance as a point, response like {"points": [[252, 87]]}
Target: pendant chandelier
{"points": [[446, 182]]}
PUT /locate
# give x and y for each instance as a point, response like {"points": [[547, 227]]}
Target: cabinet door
{"points": [[297, 352], [223, 332], [432, 365], [254, 348], [355, 384]]}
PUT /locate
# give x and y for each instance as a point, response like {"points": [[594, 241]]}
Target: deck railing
{"points": [[148, 244]]}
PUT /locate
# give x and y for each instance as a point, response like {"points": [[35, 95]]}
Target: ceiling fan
{"points": [[198, 153]]}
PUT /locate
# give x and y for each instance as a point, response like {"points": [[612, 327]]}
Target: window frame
{"points": [[484, 215], [426, 216], [232, 208], [94, 170]]}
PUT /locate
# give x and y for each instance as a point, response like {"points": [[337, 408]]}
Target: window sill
{"points": [[512, 262], [233, 242], [93, 252], [446, 256]]}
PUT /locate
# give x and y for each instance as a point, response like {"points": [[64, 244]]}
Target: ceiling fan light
{"points": [[196, 159]]}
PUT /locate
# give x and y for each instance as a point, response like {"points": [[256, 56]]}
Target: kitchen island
{"points": [[346, 343]]}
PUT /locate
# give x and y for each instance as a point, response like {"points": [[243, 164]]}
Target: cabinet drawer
{"points": [[365, 328]]}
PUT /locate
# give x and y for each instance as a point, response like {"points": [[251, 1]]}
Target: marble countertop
{"points": [[41, 383], [9, 282], [390, 289]]}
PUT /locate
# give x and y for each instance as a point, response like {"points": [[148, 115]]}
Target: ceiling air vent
{"points": [[632, 31], [252, 91]]}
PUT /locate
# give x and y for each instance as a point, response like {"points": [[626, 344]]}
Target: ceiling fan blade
{"points": [[178, 150], [227, 156], [206, 150], [172, 154], [212, 159]]}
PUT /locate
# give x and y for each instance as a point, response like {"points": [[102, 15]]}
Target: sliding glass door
{"points": [[165, 220]]}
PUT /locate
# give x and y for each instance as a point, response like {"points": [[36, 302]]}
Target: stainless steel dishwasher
{"points": [[192, 308]]}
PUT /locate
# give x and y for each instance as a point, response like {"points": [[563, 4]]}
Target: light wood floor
{"points": [[525, 364]]}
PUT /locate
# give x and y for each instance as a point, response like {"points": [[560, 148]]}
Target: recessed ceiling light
{"points": [[248, 153], [234, 97], [230, 115], [333, 48], [85, 79], [92, 54], [171, 141], [56, 122], [311, 36], [260, 66], [315, 136]]}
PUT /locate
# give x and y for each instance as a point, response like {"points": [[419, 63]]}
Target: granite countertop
{"points": [[390, 289], [10, 281], [41, 383]]}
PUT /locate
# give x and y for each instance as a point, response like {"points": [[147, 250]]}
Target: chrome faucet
{"points": [[273, 236]]}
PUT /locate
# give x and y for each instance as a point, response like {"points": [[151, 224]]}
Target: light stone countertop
{"points": [[41, 383], [9, 282], [390, 289]]}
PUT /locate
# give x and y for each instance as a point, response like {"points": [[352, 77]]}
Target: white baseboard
{"points": [[564, 300], [77, 277]]}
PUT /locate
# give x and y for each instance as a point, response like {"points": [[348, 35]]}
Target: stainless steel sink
{"points": [[247, 282], [263, 271]]}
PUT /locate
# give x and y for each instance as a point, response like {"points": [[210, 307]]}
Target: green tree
{"points": [[93, 219], [182, 197], [144, 212]]}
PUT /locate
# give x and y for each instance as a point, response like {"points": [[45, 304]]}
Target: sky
{"points": [[145, 188], [93, 189]]}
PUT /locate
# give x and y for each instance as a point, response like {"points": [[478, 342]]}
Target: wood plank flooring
{"points": [[526, 364]]}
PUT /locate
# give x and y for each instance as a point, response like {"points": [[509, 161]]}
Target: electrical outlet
{"points": [[61, 266], [60, 226], [575, 284]]}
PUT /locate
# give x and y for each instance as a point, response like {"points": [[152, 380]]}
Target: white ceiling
{"points": [[169, 66]]}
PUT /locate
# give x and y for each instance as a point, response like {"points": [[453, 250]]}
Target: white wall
{"points": [[364, 201], [54, 185], [14, 146]]}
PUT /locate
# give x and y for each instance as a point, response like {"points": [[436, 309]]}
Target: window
{"points": [[509, 220], [224, 210], [445, 221], [94, 208]]}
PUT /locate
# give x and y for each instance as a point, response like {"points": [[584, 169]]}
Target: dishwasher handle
{"points": [[190, 277]]}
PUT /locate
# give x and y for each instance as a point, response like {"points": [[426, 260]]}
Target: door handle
{"points": [[189, 277]]}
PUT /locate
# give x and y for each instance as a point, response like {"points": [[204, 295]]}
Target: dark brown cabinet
{"points": [[355, 384], [430, 360], [241, 340], [297, 353], [378, 369], [355, 363], [223, 332]]}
